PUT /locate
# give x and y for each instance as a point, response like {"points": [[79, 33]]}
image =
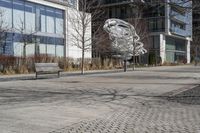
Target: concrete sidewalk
{"points": [[75, 73], [148, 100]]}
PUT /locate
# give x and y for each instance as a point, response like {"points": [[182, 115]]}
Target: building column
{"points": [[162, 47], [65, 33], [188, 51], [167, 17]]}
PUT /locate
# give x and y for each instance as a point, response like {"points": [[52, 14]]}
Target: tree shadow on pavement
{"points": [[191, 96]]}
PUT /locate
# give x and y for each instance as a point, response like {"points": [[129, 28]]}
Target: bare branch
{"points": [[27, 37], [4, 28]]}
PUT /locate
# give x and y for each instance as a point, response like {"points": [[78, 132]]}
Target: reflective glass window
{"points": [[18, 48], [59, 50], [18, 14], [8, 48], [50, 15], [170, 43], [29, 17], [42, 45], [30, 49], [42, 16], [6, 13], [170, 56], [156, 42], [59, 47], [18, 44], [51, 46], [59, 21]]}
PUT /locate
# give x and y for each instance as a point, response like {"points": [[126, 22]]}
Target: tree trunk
{"points": [[134, 57], [24, 51], [155, 58], [24, 54], [82, 61], [133, 54], [133, 61], [125, 64], [196, 56]]}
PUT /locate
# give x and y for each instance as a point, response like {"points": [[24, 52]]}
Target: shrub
{"points": [[19, 65]]}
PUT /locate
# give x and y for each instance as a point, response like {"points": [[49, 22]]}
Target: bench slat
{"points": [[47, 69], [46, 64]]}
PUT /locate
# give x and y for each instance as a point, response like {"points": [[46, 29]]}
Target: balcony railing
{"points": [[177, 16], [115, 1], [179, 31]]}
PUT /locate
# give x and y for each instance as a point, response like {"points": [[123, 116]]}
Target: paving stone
{"points": [[150, 100], [143, 120]]}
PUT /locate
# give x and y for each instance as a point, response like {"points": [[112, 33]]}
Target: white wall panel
{"points": [[73, 30]]}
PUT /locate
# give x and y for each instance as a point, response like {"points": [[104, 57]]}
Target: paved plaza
{"points": [[147, 100]]}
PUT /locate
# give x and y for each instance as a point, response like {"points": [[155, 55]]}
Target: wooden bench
{"points": [[47, 68]]}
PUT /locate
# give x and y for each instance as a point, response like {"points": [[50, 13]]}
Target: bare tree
{"points": [[81, 26], [26, 37], [101, 43], [141, 26], [4, 28]]}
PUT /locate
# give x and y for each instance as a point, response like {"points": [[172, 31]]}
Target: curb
{"points": [[63, 74]]}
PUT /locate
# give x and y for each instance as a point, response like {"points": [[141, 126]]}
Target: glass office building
{"points": [[44, 23]]}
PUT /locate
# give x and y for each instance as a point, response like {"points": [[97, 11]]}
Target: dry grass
{"points": [[17, 65]]}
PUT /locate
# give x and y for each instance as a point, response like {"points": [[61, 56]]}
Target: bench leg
{"points": [[58, 74], [36, 75]]}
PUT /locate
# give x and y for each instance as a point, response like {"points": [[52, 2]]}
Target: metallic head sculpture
{"points": [[124, 37]]}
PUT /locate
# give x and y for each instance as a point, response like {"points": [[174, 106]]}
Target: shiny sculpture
{"points": [[124, 37]]}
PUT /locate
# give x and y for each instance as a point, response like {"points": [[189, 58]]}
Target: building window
{"points": [[170, 56], [110, 12], [42, 45], [170, 43], [51, 46], [59, 21], [175, 50], [18, 44], [156, 24], [59, 47], [50, 20], [123, 12], [18, 15], [177, 25], [155, 42], [178, 11], [29, 17], [6, 12], [42, 18]]}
